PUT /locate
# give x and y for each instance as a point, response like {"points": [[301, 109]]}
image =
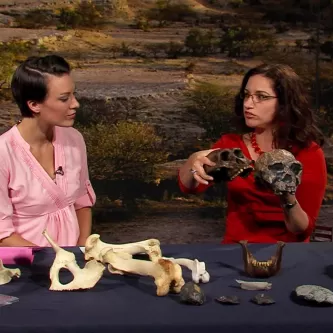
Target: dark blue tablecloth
{"points": [[129, 303]]}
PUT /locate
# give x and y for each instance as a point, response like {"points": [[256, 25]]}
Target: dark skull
{"points": [[230, 163], [279, 170]]}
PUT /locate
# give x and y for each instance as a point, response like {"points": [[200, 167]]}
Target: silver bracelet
{"points": [[288, 205]]}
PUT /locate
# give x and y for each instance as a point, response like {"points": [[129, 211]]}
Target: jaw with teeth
{"points": [[255, 268], [229, 164], [243, 172]]}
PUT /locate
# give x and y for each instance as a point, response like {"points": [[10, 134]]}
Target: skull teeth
{"points": [[256, 263], [237, 174]]}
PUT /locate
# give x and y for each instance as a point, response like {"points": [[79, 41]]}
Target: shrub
{"points": [[245, 40], [173, 49], [168, 11], [10, 54], [84, 14], [213, 105], [200, 42], [126, 150]]}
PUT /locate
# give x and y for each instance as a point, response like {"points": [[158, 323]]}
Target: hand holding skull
{"points": [[199, 160], [228, 164], [279, 171]]}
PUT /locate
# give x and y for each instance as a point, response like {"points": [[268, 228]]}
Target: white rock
{"points": [[315, 293]]}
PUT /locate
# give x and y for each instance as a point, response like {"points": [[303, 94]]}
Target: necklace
{"points": [[254, 144]]}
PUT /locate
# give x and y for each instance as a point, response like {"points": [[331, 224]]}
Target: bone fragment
{"points": [[254, 285], [167, 275], [84, 278], [6, 274], [198, 268]]}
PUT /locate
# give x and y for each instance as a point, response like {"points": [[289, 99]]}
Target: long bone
{"points": [[84, 278], [197, 267], [6, 274], [95, 248], [167, 275]]}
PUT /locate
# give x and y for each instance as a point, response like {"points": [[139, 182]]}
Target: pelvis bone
{"points": [[256, 268], [6, 274], [84, 278], [230, 163], [278, 170], [198, 268], [95, 248], [167, 275]]}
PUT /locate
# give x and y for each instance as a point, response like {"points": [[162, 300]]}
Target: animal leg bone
{"points": [[84, 278], [95, 248], [197, 267], [167, 275], [6, 274]]}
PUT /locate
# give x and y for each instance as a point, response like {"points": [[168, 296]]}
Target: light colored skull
{"points": [[279, 170], [230, 163]]}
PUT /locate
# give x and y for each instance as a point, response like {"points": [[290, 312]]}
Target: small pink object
{"points": [[17, 255]]}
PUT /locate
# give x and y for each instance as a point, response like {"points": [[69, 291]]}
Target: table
{"points": [[129, 303]]}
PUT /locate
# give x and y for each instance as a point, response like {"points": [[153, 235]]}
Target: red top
{"points": [[256, 215]]}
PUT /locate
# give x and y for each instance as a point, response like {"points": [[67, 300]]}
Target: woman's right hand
{"points": [[197, 162]]}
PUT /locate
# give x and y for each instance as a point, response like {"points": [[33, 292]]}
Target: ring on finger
{"points": [[193, 171]]}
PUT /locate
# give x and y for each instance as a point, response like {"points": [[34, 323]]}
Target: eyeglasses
{"points": [[256, 98]]}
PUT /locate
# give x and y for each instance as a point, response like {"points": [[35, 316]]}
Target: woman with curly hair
{"points": [[273, 111]]}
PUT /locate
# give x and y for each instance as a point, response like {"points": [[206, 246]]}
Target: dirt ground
{"points": [[177, 223], [172, 223]]}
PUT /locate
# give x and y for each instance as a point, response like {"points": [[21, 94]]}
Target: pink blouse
{"points": [[30, 201]]}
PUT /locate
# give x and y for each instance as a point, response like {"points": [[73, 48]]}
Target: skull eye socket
{"points": [[225, 155], [276, 167], [238, 153], [296, 168]]}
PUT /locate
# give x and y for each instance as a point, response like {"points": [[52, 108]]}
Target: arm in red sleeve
{"points": [[201, 187], [311, 191]]}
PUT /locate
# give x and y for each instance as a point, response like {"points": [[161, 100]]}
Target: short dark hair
{"points": [[29, 81], [295, 118]]}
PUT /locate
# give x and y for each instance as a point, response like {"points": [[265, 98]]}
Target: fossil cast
{"points": [[198, 268], [278, 170], [95, 248], [254, 285], [6, 274], [256, 268], [230, 163], [167, 275], [84, 278]]}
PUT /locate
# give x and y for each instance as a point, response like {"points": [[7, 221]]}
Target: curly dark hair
{"points": [[295, 118]]}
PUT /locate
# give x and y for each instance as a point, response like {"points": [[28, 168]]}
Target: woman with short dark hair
{"points": [[273, 111], [44, 181]]}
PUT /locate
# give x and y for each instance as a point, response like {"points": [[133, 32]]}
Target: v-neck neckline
{"points": [[27, 147], [246, 148]]}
